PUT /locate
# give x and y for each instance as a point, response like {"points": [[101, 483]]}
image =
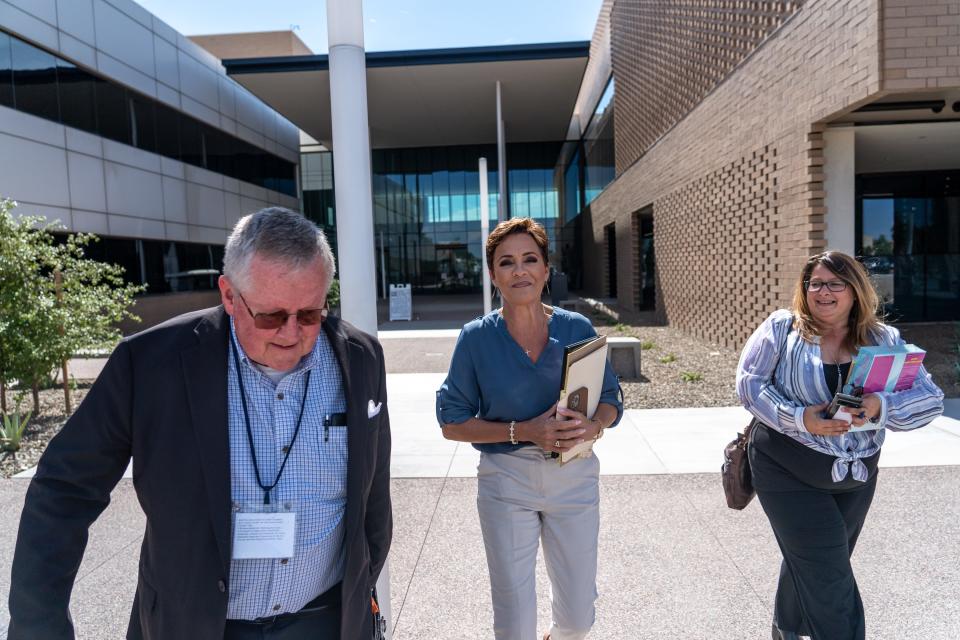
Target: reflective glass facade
{"points": [[599, 162], [42, 84], [908, 234], [426, 206], [584, 169], [164, 266]]}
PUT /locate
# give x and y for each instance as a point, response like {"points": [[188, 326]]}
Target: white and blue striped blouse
{"points": [[776, 386]]}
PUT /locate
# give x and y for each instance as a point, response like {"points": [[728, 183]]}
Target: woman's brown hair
{"points": [[864, 321], [517, 225]]}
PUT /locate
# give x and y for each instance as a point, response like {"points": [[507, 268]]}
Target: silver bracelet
{"points": [[513, 435]]}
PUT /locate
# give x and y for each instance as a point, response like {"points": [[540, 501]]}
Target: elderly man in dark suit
{"points": [[261, 449]]}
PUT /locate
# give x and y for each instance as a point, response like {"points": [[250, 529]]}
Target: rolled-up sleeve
{"points": [[610, 393], [458, 398], [911, 408], [755, 372]]}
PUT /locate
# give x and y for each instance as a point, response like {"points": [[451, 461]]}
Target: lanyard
{"points": [[246, 420]]}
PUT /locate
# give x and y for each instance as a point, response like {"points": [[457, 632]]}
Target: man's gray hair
{"points": [[277, 234]]}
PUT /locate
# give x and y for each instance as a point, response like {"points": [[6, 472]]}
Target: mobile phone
{"points": [[842, 400]]}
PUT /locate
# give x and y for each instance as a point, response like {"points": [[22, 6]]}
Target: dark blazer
{"points": [[162, 399]]}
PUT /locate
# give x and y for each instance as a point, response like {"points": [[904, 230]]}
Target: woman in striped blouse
{"points": [[814, 477]]}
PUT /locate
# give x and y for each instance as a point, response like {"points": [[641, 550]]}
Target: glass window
{"points": [[219, 147], [143, 121], [123, 252], [6, 72], [441, 184], [113, 112], [598, 147], [168, 131], [78, 98], [191, 142], [877, 237], [572, 192], [35, 80], [909, 241]]}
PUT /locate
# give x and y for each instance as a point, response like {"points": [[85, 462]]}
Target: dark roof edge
{"points": [[465, 55]]}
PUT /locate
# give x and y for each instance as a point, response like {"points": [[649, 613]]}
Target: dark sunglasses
{"points": [[275, 320]]}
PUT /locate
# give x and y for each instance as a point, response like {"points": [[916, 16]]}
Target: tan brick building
{"points": [[749, 134]]}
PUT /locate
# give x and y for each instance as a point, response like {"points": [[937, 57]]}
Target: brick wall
{"points": [[668, 55], [921, 44], [742, 172], [721, 263]]}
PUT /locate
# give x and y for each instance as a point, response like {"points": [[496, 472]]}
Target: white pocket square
{"points": [[373, 409]]}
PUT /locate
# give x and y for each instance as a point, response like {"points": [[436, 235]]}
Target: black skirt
{"points": [[780, 463]]}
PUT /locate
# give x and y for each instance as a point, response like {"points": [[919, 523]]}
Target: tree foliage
{"points": [[43, 323]]}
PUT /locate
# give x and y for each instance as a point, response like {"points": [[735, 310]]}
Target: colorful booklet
{"points": [[886, 368]]}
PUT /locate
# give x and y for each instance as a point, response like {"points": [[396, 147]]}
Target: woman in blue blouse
{"points": [[814, 477], [501, 395]]}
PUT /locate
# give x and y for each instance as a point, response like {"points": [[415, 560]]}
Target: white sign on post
{"points": [[401, 302]]}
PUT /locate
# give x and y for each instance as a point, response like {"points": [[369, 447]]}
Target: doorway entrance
{"points": [[908, 234], [646, 274], [610, 233]]}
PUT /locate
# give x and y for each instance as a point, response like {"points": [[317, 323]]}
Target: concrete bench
{"points": [[624, 354], [575, 304]]}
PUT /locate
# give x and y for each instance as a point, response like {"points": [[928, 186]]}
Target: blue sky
{"points": [[392, 25]]}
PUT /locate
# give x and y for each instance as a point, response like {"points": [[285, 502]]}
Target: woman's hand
{"points": [[820, 426], [551, 434], [870, 411], [591, 427]]}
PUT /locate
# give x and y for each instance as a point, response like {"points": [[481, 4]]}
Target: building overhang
{"points": [[437, 97], [937, 105]]}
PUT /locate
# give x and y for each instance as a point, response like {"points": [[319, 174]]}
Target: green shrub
{"points": [[691, 376], [54, 301], [333, 295], [667, 359], [11, 430], [646, 345]]}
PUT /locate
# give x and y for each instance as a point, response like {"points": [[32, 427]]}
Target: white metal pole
{"points": [[383, 269], [354, 186], [484, 232], [351, 154], [502, 198]]}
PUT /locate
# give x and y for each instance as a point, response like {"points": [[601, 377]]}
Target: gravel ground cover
{"points": [[682, 371], [40, 429]]}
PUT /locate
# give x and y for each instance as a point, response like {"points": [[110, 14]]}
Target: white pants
{"points": [[522, 498]]}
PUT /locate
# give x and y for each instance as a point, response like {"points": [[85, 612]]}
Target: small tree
{"points": [[45, 323]]}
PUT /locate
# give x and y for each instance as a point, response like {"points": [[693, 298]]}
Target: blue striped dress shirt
{"points": [[314, 482], [776, 387]]}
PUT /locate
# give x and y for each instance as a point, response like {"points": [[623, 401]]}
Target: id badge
{"points": [[264, 531]]}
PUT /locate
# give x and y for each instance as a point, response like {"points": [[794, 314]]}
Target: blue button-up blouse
{"points": [[492, 378]]}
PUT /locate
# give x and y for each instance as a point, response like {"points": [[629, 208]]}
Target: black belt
{"points": [[326, 600]]}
